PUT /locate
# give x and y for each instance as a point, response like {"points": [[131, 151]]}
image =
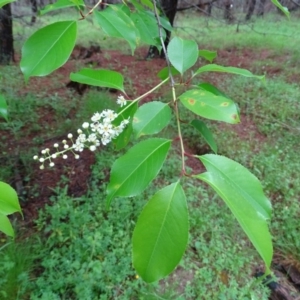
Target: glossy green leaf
{"points": [[100, 77], [151, 118], [281, 7], [208, 55], [147, 27], [9, 202], [164, 73], [61, 4], [232, 70], [243, 194], [182, 54], [115, 23], [212, 89], [124, 113], [3, 108], [48, 48], [206, 133], [148, 3], [5, 225], [210, 106], [132, 172], [4, 2], [161, 234]]}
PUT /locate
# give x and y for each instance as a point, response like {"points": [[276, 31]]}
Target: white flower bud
{"points": [[55, 145], [64, 141], [70, 135], [79, 131], [77, 156], [85, 125], [35, 157], [41, 159], [51, 164], [54, 155], [92, 147], [65, 156], [43, 151], [66, 146], [42, 167]]}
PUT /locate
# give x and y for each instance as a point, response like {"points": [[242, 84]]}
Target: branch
{"points": [[163, 43]]}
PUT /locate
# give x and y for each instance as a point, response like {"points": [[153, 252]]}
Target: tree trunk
{"points": [[34, 11], [250, 10], [6, 34], [228, 16], [169, 8], [261, 8]]}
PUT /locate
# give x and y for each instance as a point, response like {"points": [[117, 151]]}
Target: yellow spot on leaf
{"points": [[224, 103]]}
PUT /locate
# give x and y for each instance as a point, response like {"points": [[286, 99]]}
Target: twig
{"points": [[163, 43]]}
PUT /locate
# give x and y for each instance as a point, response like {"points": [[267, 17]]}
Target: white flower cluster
{"points": [[99, 131]]}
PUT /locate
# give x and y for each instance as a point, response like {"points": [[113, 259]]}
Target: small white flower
{"points": [[78, 147], [65, 156], [92, 147], [35, 157], [79, 131], [43, 151], [51, 164], [85, 125], [64, 141], [96, 117], [121, 101], [109, 115], [96, 126], [66, 146], [54, 155], [41, 159], [70, 135], [105, 140], [42, 167], [81, 138], [55, 145], [77, 156]]}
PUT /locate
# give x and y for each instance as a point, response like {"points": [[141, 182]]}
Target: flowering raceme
{"points": [[99, 131]]}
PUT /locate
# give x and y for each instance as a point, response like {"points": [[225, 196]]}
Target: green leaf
{"points": [[60, 4], [282, 8], [124, 113], [232, 70], [206, 133], [182, 54], [100, 77], [210, 106], [5, 225], [212, 89], [48, 48], [151, 118], [147, 28], [115, 23], [164, 73], [3, 108], [4, 2], [208, 55], [243, 194], [9, 202], [161, 234], [148, 3], [163, 21], [132, 172]]}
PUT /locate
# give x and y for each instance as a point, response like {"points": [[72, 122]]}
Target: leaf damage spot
{"points": [[224, 104], [191, 101]]}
